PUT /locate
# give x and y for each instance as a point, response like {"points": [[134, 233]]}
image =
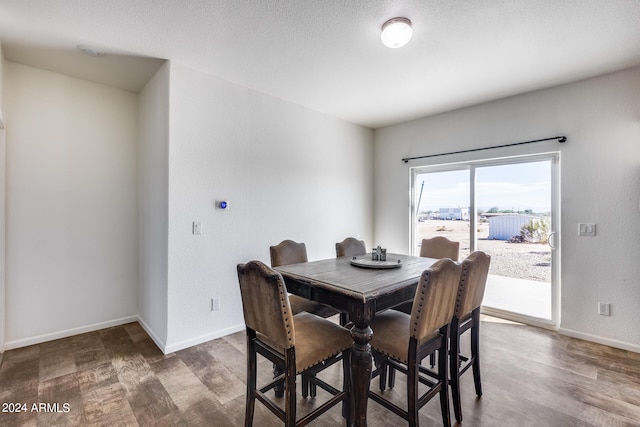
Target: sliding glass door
{"points": [[506, 208]]}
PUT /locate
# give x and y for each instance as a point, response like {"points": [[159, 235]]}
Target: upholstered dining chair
{"points": [[473, 279], [404, 340], [290, 252], [436, 247], [440, 247], [350, 247], [299, 344]]}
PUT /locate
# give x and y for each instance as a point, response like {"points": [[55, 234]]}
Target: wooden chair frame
{"points": [[436, 381], [287, 363], [459, 364]]}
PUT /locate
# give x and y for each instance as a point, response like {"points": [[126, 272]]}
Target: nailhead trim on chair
{"points": [[283, 304], [419, 312], [314, 363], [463, 282]]}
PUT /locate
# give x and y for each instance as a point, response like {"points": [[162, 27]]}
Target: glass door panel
{"points": [[443, 208], [514, 209]]}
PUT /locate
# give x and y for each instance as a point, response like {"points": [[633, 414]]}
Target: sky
{"points": [[518, 186]]}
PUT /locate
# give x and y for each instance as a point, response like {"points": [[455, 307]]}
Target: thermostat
{"points": [[222, 204]]}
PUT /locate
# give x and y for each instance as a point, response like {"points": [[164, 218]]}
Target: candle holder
{"points": [[379, 254]]}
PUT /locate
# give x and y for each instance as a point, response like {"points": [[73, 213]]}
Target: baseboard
{"points": [[600, 340], [24, 342], [202, 338], [154, 337]]}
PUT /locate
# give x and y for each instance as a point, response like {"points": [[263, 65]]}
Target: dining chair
{"points": [[473, 279], [290, 252], [436, 247], [299, 344], [350, 247], [403, 340], [440, 247]]}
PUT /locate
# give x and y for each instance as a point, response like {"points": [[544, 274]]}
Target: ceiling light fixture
{"points": [[90, 50], [396, 32]]}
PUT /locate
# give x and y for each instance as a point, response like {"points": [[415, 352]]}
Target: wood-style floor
{"points": [[118, 377]]}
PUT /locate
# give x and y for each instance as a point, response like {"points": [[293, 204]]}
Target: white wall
{"points": [[153, 195], [600, 183], [71, 216], [287, 172]]}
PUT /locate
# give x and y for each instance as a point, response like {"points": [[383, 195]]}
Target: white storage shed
{"points": [[504, 227]]}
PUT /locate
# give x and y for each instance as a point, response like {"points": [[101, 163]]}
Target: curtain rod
{"points": [[560, 139]]}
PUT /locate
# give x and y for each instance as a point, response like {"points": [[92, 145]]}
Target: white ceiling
{"points": [[327, 55]]}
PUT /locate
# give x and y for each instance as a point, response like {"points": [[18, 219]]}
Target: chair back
{"points": [[288, 252], [440, 247], [473, 280], [265, 303], [350, 247], [435, 299]]}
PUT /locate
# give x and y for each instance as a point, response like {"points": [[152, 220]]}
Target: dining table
{"points": [[360, 287]]}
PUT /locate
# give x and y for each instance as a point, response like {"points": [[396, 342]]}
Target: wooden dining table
{"points": [[361, 292]]}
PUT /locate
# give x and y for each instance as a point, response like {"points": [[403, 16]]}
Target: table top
{"points": [[339, 276]]}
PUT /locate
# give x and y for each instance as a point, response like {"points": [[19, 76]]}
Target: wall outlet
{"points": [[215, 304], [604, 309]]}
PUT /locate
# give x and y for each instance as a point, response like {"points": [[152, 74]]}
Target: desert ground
{"points": [[530, 261]]}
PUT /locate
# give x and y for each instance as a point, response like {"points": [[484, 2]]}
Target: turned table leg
{"points": [[361, 364]]}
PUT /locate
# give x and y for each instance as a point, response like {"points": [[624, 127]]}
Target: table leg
{"points": [[361, 364]]}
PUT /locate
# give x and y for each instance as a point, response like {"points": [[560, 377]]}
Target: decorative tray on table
{"points": [[369, 263]]}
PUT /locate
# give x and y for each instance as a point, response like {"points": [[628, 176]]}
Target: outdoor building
{"points": [[459, 214], [504, 227]]}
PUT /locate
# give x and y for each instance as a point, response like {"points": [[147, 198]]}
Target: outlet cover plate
{"points": [[604, 309]]}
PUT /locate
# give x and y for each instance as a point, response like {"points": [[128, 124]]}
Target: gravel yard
{"points": [[531, 261]]}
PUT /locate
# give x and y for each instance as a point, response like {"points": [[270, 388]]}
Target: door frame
{"points": [[472, 165]]}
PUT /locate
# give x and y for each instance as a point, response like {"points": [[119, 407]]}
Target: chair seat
{"points": [[391, 334], [299, 304], [316, 339]]}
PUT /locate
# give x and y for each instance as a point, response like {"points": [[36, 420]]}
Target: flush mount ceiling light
{"points": [[90, 50], [396, 32]]}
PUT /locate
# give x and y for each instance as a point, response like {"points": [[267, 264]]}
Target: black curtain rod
{"points": [[560, 139]]}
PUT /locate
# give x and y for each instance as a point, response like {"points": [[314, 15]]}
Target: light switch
{"points": [[587, 229], [197, 227]]}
